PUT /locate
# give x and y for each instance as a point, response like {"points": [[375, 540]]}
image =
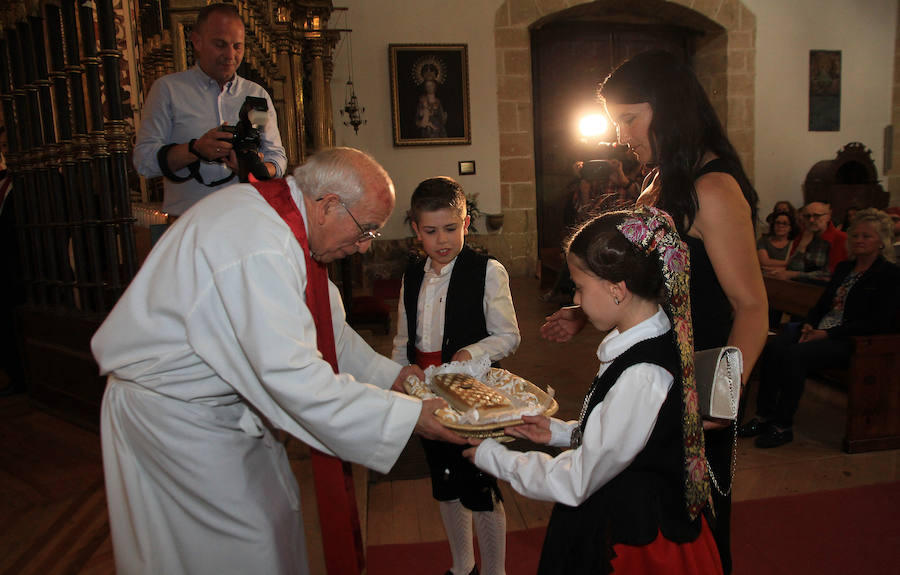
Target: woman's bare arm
{"points": [[724, 224]]}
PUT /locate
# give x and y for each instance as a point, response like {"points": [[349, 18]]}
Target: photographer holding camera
{"points": [[608, 180], [196, 123], [614, 175]]}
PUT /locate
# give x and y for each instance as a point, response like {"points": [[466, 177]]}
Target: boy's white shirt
{"points": [[617, 429], [499, 315]]}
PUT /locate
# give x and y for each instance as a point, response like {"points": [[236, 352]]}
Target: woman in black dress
{"points": [[661, 110]]}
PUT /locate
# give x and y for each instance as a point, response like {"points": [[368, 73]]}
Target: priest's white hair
{"points": [[341, 171]]}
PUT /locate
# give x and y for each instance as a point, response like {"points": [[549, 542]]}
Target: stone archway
{"points": [[725, 63]]}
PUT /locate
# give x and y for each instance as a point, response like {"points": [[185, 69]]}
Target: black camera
{"points": [[600, 168], [245, 138]]}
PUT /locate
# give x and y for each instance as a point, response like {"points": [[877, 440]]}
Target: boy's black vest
{"points": [[646, 498], [464, 321]]}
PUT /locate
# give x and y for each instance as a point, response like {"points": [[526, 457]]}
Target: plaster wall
{"points": [[865, 33], [378, 23]]}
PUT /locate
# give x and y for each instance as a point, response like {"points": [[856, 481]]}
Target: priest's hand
{"points": [[563, 324], [536, 429], [407, 371], [429, 427]]}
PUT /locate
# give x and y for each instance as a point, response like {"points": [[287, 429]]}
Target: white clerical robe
{"points": [[213, 330]]}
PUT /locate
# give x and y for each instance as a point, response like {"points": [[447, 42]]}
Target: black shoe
{"points": [[754, 427], [774, 438]]}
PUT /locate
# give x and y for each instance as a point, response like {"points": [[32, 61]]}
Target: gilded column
{"points": [[288, 114], [328, 64], [315, 64], [298, 130]]}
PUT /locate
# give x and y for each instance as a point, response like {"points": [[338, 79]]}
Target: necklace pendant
{"points": [[575, 441]]}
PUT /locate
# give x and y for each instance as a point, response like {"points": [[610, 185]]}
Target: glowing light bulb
{"points": [[592, 125]]}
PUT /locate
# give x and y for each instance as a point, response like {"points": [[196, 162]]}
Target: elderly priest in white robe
{"points": [[230, 318]]}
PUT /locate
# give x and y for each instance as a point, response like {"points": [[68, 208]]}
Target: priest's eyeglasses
{"points": [[364, 234]]}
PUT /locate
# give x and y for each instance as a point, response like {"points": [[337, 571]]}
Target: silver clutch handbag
{"points": [[718, 375]]}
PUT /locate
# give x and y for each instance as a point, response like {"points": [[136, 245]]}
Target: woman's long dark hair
{"points": [[683, 128]]}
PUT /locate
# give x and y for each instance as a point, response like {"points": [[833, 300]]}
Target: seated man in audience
{"points": [[861, 299], [832, 235], [810, 255]]}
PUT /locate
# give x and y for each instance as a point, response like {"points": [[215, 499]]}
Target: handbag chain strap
{"points": [[712, 476]]}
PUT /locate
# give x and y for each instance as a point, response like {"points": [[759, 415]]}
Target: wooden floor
{"points": [[53, 508]]}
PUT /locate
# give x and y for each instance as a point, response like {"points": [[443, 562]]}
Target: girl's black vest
{"points": [[464, 321], [646, 498]]}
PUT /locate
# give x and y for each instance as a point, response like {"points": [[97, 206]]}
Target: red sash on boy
{"points": [[338, 515], [426, 360]]}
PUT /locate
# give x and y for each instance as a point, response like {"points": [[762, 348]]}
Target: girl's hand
{"points": [[470, 452], [536, 429]]}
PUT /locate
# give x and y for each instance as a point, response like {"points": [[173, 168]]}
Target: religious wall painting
{"points": [[824, 90], [429, 94]]}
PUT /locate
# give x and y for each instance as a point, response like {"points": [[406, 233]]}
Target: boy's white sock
{"points": [[490, 526], [458, 525]]}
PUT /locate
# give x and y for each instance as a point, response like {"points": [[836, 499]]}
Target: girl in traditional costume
{"points": [[632, 490]]}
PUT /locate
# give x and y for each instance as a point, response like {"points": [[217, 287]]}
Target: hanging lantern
{"points": [[352, 111]]}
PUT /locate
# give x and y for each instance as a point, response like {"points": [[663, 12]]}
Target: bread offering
{"points": [[464, 392], [481, 403]]}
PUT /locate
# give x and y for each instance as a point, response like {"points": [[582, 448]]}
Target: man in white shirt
{"points": [[180, 136], [220, 327]]}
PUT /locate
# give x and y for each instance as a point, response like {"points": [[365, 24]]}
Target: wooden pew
{"points": [[872, 380], [795, 298]]}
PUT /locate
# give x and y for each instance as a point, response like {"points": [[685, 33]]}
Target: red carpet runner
{"points": [[846, 532]]}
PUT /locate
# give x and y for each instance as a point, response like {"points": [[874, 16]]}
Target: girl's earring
{"points": [[615, 299]]}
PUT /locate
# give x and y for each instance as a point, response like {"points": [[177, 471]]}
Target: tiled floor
{"points": [[52, 504]]}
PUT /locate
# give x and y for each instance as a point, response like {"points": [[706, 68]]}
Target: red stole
{"points": [[338, 515]]}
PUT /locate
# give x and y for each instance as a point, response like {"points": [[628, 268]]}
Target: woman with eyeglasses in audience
{"points": [[774, 247]]}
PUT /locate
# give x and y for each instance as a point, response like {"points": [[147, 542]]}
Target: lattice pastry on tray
{"points": [[463, 392]]}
